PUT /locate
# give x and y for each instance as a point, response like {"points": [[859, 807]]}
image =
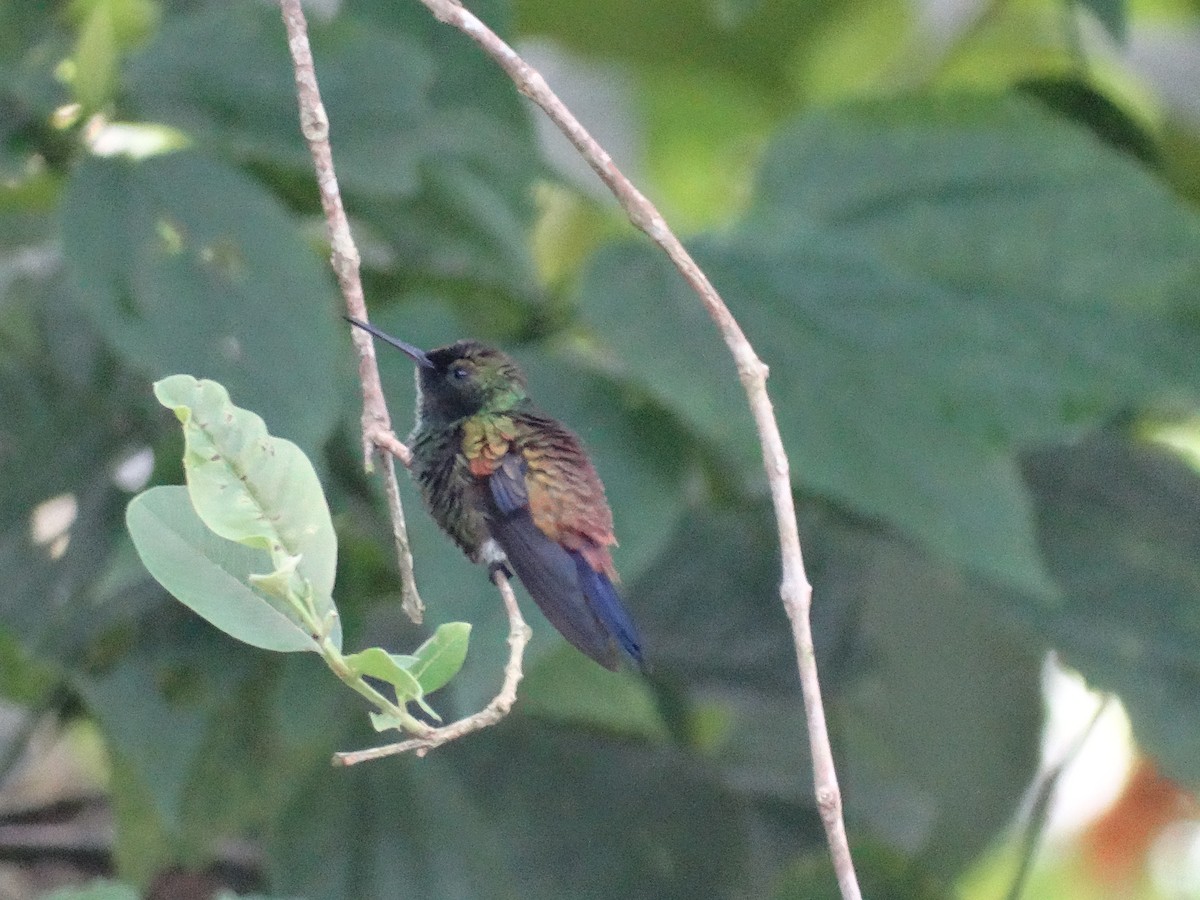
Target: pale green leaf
{"points": [[375, 662], [251, 487], [439, 658], [209, 574]]}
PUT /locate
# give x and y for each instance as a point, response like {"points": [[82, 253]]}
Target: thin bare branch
{"points": [[387, 441], [518, 637], [795, 589], [376, 423]]}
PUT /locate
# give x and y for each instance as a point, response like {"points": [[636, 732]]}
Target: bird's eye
{"points": [[459, 372]]}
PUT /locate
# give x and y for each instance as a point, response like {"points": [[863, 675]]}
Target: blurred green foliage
{"points": [[969, 253]]}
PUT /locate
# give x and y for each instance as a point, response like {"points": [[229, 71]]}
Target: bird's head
{"points": [[460, 380]]}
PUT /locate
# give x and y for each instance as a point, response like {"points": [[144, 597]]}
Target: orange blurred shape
{"points": [[1116, 845]]}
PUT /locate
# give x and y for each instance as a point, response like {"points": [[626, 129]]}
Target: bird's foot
{"points": [[491, 554], [499, 568]]}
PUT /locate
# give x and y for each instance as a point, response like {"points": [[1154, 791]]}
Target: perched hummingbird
{"points": [[513, 487]]}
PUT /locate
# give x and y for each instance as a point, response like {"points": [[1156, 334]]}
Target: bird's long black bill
{"points": [[416, 354]]}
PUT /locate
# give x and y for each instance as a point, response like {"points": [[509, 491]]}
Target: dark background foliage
{"points": [[974, 274]]}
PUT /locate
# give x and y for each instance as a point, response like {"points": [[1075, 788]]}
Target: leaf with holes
{"points": [[258, 490]]}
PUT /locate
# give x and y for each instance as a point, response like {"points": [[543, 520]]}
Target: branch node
{"points": [[385, 439], [314, 124]]}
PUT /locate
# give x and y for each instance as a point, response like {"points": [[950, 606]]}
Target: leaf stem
{"points": [[337, 664], [320, 629]]}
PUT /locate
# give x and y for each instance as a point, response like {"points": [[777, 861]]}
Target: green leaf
{"points": [[209, 574], [251, 487], [439, 153], [430, 667], [888, 622], [182, 261], [683, 600], [378, 663], [1116, 518], [937, 656], [223, 74], [439, 658], [847, 284], [985, 177]]}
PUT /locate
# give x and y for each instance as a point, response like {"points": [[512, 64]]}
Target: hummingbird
{"points": [[514, 488]]}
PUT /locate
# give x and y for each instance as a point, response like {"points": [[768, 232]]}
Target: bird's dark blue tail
{"points": [[579, 601], [606, 603]]}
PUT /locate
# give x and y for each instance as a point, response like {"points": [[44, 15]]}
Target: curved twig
{"points": [[795, 589], [518, 637], [376, 422]]}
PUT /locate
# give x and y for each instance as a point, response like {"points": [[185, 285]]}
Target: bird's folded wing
{"points": [[550, 572]]}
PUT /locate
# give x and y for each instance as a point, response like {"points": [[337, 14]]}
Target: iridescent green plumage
{"points": [[513, 486]]}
